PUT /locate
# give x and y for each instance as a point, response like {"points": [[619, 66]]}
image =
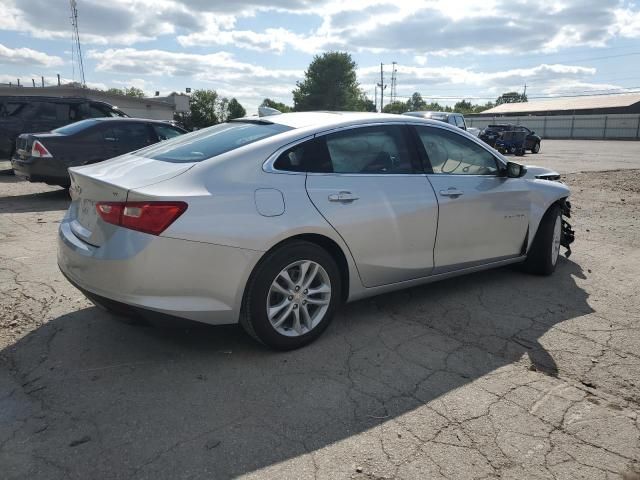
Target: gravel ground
{"points": [[494, 375]]}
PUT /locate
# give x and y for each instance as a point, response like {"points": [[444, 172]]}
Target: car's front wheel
{"points": [[545, 249], [292, 296], [536, 148]]}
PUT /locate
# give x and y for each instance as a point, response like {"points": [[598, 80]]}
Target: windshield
{"points": [[74, 127], [212, 141]]}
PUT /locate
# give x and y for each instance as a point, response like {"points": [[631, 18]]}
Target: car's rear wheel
{"points": [[536, 148], [545, 249], [292, 296]]}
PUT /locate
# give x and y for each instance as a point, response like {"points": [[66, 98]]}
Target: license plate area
{"points": [[87, 214]]}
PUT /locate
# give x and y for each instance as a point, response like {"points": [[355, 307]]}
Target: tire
{"points": [[536, 148], [266, 287], [543, 256]]}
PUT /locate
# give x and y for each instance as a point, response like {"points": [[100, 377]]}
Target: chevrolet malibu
{"points": [[272, 222]]}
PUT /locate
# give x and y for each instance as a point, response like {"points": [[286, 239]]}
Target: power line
{"points": [[492, 97]]}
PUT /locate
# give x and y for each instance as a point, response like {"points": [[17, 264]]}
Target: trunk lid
{"points": [[24, 142], [111, 181]]}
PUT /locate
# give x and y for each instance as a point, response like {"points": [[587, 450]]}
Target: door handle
{"points": [[451, 192], [343, 197]]}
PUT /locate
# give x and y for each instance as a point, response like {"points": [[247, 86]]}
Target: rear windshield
{"points": [[212, 141], [75, 127]]}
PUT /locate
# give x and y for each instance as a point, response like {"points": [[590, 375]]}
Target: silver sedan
{"points": [[274, 221]]}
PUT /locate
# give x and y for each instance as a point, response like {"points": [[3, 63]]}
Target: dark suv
{"points": [[492, 133], [20, 114]]}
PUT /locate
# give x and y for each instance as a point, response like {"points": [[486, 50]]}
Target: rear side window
{"points": [[165, 132], [212, 141], [75, 127], [135, 133], [379, 150], [9, 109]]}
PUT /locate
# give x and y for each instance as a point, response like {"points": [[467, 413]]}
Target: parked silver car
{"points": [[273, 222]]}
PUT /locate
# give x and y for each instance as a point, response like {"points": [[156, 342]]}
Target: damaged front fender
{"points": [[568, 234]]}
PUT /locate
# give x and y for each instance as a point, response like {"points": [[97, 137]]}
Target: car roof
{"points": [[130, 119], [321, 119], [45, 98]]}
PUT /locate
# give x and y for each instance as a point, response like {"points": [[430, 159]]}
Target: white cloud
{"points": [[27, 56], [439, 27]]}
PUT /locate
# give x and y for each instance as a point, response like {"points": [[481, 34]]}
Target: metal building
{"points": [[584, 105]]}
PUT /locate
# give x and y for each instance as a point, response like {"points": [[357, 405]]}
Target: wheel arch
{"points": [[561, 202], [324, 242]]}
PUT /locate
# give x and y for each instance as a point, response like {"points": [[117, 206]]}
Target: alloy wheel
{"points": [[298, 298]]}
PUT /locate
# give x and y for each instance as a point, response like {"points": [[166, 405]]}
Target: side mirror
{"points": [[532, 132], [515, 170]]}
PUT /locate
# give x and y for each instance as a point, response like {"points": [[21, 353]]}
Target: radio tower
{"points": [[394, 82], [76, 50]]}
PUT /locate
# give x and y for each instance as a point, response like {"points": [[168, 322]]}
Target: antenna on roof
{"points": [[267, 111], [76, 51]]}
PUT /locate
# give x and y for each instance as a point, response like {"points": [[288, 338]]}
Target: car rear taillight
{"points": [[39, 150], [147, 217]]}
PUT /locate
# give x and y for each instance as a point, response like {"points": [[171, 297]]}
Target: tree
{"points": [[267, 102], [204, 106], [416, 103], [235, 110], [330, 83], [396, 107], [367, 105], [482, 108], [511, 97], [127, 92], [463, 107]]}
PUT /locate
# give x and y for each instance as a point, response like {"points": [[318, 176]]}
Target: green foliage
{"points": [[204, 106], [127, 92], [463, 107], [208, 108], [396, 107], [511, 97], [235, 110], [330, 83], [267, 102], [416, 103]]}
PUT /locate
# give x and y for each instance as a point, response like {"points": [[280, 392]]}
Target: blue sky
{"points": [[447, 50]]}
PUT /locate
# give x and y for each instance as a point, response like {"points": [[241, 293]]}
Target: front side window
{"points": [[370, 150], [451, 153], [212, 141]]}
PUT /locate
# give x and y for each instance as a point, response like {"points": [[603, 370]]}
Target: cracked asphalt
{"points": [[494, 375]]}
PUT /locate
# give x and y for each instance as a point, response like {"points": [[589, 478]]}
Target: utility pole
{"points": [[375, 101], [76, 41], [525, 90], [394, 82], [382, 87]]}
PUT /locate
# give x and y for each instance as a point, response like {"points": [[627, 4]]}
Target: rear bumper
{"points": [[179, 278], [47, 170]]}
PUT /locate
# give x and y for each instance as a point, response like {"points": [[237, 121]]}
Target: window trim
{"points": [[268, 165], [500, 164]]}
